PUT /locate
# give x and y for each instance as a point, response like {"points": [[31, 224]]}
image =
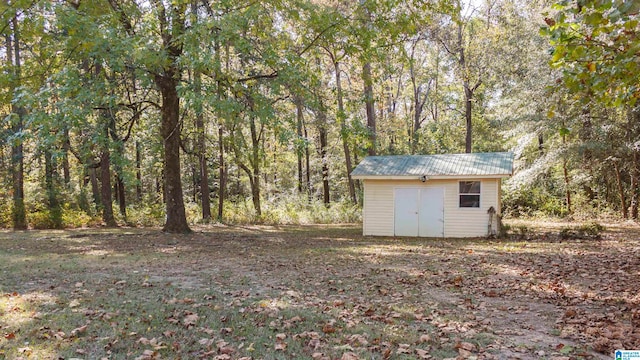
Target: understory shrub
{"points": [[277, 211], [590, 230], [532, 201], [5, 213], [292, 210]]}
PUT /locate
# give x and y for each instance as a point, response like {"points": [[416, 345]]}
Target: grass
{"points": [[297, 292]]}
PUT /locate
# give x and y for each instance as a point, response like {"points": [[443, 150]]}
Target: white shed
{"points": [[449, 195]]}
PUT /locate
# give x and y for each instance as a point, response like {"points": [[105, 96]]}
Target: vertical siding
{"points": [[378, 209]]}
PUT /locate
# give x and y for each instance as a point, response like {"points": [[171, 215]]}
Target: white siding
{"points": [[458, 222], [378, 208]]}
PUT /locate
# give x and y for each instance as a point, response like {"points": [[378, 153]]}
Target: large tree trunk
{"points": [[19, 215], [370, 107], [341, 117], [105, 193], [170, 131]]}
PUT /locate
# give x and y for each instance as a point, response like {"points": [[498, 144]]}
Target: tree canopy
{"points": [[129, 112]]}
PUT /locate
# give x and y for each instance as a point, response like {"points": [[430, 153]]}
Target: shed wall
{"points": [[378, 206]]}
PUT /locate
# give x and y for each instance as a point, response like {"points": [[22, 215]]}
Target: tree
{"points": [[164, 66], [461, 45], [14, 63]]}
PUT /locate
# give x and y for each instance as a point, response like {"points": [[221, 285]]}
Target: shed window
{"points": [[469, 194]]}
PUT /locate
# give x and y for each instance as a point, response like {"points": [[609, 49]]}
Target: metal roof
{"points": [[499, 164]]}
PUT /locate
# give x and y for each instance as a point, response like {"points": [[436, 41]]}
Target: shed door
{"points": [[419, 212], [431, 222], [406, 212]]}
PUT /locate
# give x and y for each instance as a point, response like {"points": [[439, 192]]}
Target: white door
{"points": [[431, 212], [419, 212], [406, 212]]}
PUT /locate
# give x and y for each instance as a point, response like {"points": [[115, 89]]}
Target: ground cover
{"points": [[321, 292]]}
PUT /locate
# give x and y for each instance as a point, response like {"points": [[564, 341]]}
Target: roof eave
{"points": [[428, 177]]}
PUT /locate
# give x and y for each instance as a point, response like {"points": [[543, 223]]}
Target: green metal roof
{"points": [[498, 164]]}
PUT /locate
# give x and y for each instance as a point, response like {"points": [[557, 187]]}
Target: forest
{"points": [[130, 112]]}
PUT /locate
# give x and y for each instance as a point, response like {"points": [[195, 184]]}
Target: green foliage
{"points": [[293, 210], [595, 44], [590, 230], [5, 215], [149, 215], [90, 81], [532, 201], [61, 218]]}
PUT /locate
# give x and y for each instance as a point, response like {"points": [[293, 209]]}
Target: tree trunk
{"points": [[633, 117], [221, 173], [623, 199], [565, 173], [106, 196], [66, 173], [370, 107], [255, 163], [95, 189], [468, 98], [467, 87], [540, 144], [341, 117], [300, 119], [19, 215], [635, 178], [418, 103], [436, 88], [122, 197], [170, 131], [138, 172], [202, 153], [307, 161], [55, 211], [566, 186], [322, 130]]}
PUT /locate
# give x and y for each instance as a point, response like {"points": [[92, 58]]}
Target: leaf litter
{"points": [[319, 292]]}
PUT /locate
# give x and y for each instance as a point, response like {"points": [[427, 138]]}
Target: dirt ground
{"points": [[322, 292]]}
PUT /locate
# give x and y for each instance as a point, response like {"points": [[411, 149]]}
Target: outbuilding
{"points": [[447, 195]]}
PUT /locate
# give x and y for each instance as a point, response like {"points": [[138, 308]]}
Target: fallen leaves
{"points": [[79, 330], [313, 296], [190, 320], [149, 355]]}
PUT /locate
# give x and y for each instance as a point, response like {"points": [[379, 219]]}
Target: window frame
{"points": [[461, 194]]}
